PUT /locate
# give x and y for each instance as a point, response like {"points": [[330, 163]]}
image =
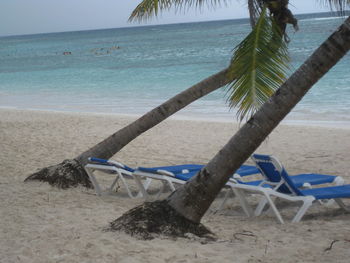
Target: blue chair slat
{"points": [[245, 170], [312, 179], [331, 192], [180, 168], [186, 176], [107, 162], [148, 170]]}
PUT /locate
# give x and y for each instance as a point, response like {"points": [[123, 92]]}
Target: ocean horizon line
{"points": [[300, 16], [338, 124]]}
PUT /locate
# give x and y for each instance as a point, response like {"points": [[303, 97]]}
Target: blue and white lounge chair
{"points": [[168, 175], [271, 169], [273, 180], [124, 172], [112, 167], [284, 186]]}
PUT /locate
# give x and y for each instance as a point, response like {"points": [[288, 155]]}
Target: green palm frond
{"points": [[150, 8], [258, 67], [339, 5]]}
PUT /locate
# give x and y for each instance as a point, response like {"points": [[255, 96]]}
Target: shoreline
{"points": [[337, 124]]}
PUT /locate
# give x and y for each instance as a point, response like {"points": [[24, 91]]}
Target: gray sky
{"points": [[19, 17]]}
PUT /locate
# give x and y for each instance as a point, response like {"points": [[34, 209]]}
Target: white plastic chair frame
{"points": [[239, 189], [120, 173], [271, 192], [166, 178]]}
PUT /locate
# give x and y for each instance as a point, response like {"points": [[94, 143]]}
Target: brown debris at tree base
{"points": [[65, 175], [152, 219]]}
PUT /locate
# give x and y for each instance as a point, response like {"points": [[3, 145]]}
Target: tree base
{"points": [[153, 219], [65, 175]]}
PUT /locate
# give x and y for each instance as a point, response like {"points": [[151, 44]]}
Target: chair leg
{"points": [[273, 207], [243, 201], [146, 185], [114, 183], [258, 210], [161, 190], [306, 204], [224, 201], [141, 187], [127, 186], [172, 187], [94, 182], [342, 205]]}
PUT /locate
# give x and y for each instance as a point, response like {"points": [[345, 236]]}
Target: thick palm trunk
{"points": [[194, 199], [70, 173], [189, 203]]}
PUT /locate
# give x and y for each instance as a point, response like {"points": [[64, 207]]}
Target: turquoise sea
{"points": [[132, 70]]}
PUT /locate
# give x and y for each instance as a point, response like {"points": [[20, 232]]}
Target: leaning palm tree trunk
{"points": [[71, 173], [114, 143], [191, 201]]}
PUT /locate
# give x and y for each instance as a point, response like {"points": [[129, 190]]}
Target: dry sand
{"points": [[39, 223]]}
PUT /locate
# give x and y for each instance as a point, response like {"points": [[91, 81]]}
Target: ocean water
{"points": [[132, 70]]}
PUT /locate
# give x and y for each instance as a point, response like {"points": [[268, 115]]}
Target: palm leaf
{"points": [[339, 5], [258, 67], [150, 8]]}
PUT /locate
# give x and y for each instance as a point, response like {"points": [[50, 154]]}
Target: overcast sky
{"points": [[19, 17]]}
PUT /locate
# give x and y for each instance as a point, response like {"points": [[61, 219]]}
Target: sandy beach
{"points": [[40, 223]]}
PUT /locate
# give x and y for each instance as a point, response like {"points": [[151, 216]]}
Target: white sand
{"points": [[39, 223]]}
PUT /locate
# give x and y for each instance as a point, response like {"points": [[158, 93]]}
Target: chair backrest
{"points": [[273, 171]]}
